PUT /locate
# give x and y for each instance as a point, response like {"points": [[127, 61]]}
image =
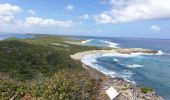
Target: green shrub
{"points": [[65, 84], [146, 90], [36, 70], [23, 61]]}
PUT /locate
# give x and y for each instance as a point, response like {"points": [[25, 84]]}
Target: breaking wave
{"points": [[102, 43], [160, 52], [116, 54], [134, 66], [91, 60], [86, 41], [116, 60], [111, 44]]}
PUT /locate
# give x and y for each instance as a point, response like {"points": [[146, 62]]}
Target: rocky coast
{"points": [[127, 90]]}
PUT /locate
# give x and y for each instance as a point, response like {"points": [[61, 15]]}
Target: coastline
{"points": [[79, 55], [127, 90]]}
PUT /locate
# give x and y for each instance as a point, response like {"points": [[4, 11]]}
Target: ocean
{"points": [[141, 69], [21, 36]]}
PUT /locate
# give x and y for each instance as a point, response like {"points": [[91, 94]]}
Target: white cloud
{"points": [[9, 22], [69, 7], [7, 9], [36, 21], [135, 10], [6, 19], [7, 12], [31, 12], [155, 28], [103, 18], [85, 16]]}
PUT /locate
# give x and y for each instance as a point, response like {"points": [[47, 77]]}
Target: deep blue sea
{"points": [[142, 69]]}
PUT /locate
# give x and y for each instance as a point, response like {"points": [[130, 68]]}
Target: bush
{"points": [[23, 61], [146, 90], [65, 84], [35, 70]]}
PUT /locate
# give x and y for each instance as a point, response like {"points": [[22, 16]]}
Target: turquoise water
{"points": [[21, 36], [144, 70]]}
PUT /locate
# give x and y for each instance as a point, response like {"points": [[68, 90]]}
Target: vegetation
{"points": [[65, 84], [146, 90], [23, 60], [36, 69]]}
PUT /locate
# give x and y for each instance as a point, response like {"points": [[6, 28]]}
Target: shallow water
{"points": [[145, 70], [21, 36]]}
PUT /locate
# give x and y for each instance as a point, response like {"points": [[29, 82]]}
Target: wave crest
{"points": [[134, 66], [91, 61], [160, 52], [111, 44], [86, 41]]}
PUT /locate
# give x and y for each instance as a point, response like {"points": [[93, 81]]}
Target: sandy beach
{"points": [[79, 55], [127, 90]]}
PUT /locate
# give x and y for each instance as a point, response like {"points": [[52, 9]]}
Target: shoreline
{"points": [[127, 90], [79, 55]]}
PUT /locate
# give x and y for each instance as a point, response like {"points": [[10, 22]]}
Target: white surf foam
{"points": [[116, 60], [116, 54], [134, 66], [86, 41], [160, 52], [91, 61], [108, 43], [111, 44]]}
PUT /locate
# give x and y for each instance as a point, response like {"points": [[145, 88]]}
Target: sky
{"points": [[108, 18]]}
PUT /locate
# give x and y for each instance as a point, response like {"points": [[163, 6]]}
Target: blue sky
{"points": [[110, 18]]}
